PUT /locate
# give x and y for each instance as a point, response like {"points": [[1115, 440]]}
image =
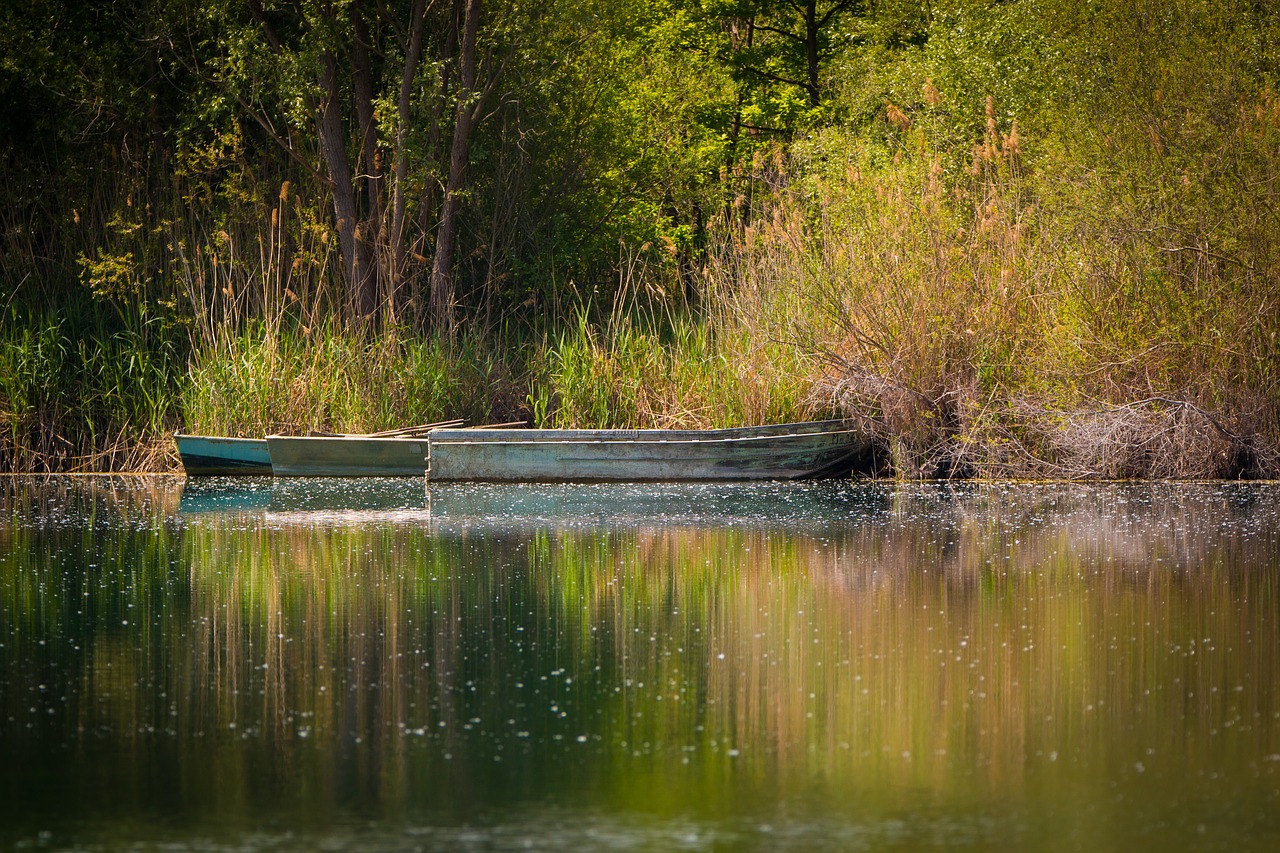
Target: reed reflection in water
{"points": [[807, 666]]}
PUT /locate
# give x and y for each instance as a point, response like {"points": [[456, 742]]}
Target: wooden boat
{"points": [[207, 455], [775, 452], [347, 455]]}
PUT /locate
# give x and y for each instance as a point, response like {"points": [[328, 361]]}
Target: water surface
{"points": [[286, 665]]}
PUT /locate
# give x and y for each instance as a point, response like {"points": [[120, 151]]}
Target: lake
{"points": [[341, 664]]}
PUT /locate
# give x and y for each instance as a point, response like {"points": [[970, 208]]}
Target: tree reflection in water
{"points": [[1029, 659]]}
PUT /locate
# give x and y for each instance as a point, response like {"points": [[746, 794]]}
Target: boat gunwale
{"points": [[746, 440], [346, 438], [733, 435], [216, 438]]}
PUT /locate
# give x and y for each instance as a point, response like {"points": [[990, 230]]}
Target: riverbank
{"points": [[681, 375]]}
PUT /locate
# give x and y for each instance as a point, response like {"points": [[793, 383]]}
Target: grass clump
{"points": [[80, 391], [683, 372], [980, 325], [295, 382]]}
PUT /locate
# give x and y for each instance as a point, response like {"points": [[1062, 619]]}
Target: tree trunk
{"points": [[428, 213], [413, 53], [442, 284], [741, 35], [811, 27], [367, 231], [362, 78], [355, 255]]}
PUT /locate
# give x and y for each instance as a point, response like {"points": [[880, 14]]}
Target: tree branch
{"points": [[283, 143], [775, 77], [256, 10], [833, 11], [786, 33]]}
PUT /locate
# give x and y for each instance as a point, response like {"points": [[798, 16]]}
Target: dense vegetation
{"points": [[1013, 238]]}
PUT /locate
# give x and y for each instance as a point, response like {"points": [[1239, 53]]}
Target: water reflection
{"points": [[508, 506], [808, 666]]}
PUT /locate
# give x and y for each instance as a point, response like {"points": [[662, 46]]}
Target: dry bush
{"points": [[1154, 438], [915, 432]]}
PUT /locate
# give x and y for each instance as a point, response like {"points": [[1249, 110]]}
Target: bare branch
{"points": [[262, 121]]}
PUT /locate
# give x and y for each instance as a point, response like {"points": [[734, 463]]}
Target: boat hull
{"points": [[776, 452], [347, 456], [210, 456]]}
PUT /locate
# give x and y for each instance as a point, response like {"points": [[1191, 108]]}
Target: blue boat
{"points": [[208, 455]]}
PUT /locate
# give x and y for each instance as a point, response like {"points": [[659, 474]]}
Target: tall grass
{"points": [[1025, 317], [80, 393], [685, 372], [292, 381], [271, 352]]}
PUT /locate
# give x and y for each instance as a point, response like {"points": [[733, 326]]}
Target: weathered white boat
{"points": [[347, 456], [775, 452], [208, 455]]}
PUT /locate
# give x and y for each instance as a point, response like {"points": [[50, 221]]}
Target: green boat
{"points": [[347, 455], [208, 455], [776, 452]]}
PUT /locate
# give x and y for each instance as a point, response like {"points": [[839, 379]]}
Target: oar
{"points": [[498, 426], [391, 433]]}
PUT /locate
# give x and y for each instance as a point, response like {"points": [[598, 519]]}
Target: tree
{"points": [[356, 68], [469, 110], [777, 50]]}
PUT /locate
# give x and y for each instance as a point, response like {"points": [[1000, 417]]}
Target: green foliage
{"points": [[941, 216], [80, 391], [1079, 241]]}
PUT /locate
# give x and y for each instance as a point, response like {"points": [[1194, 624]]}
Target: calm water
{"points": [[293, 665]]}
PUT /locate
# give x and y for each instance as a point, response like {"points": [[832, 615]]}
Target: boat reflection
{"points": [[304, 500], [512, 506]]}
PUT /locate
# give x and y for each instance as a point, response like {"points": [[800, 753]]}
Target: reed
{"points": [[291, 382], [684, 371], [80, 393], [1020, 316]]}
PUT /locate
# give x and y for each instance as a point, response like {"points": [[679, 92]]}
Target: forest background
{"points": [[1032, 238]]}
